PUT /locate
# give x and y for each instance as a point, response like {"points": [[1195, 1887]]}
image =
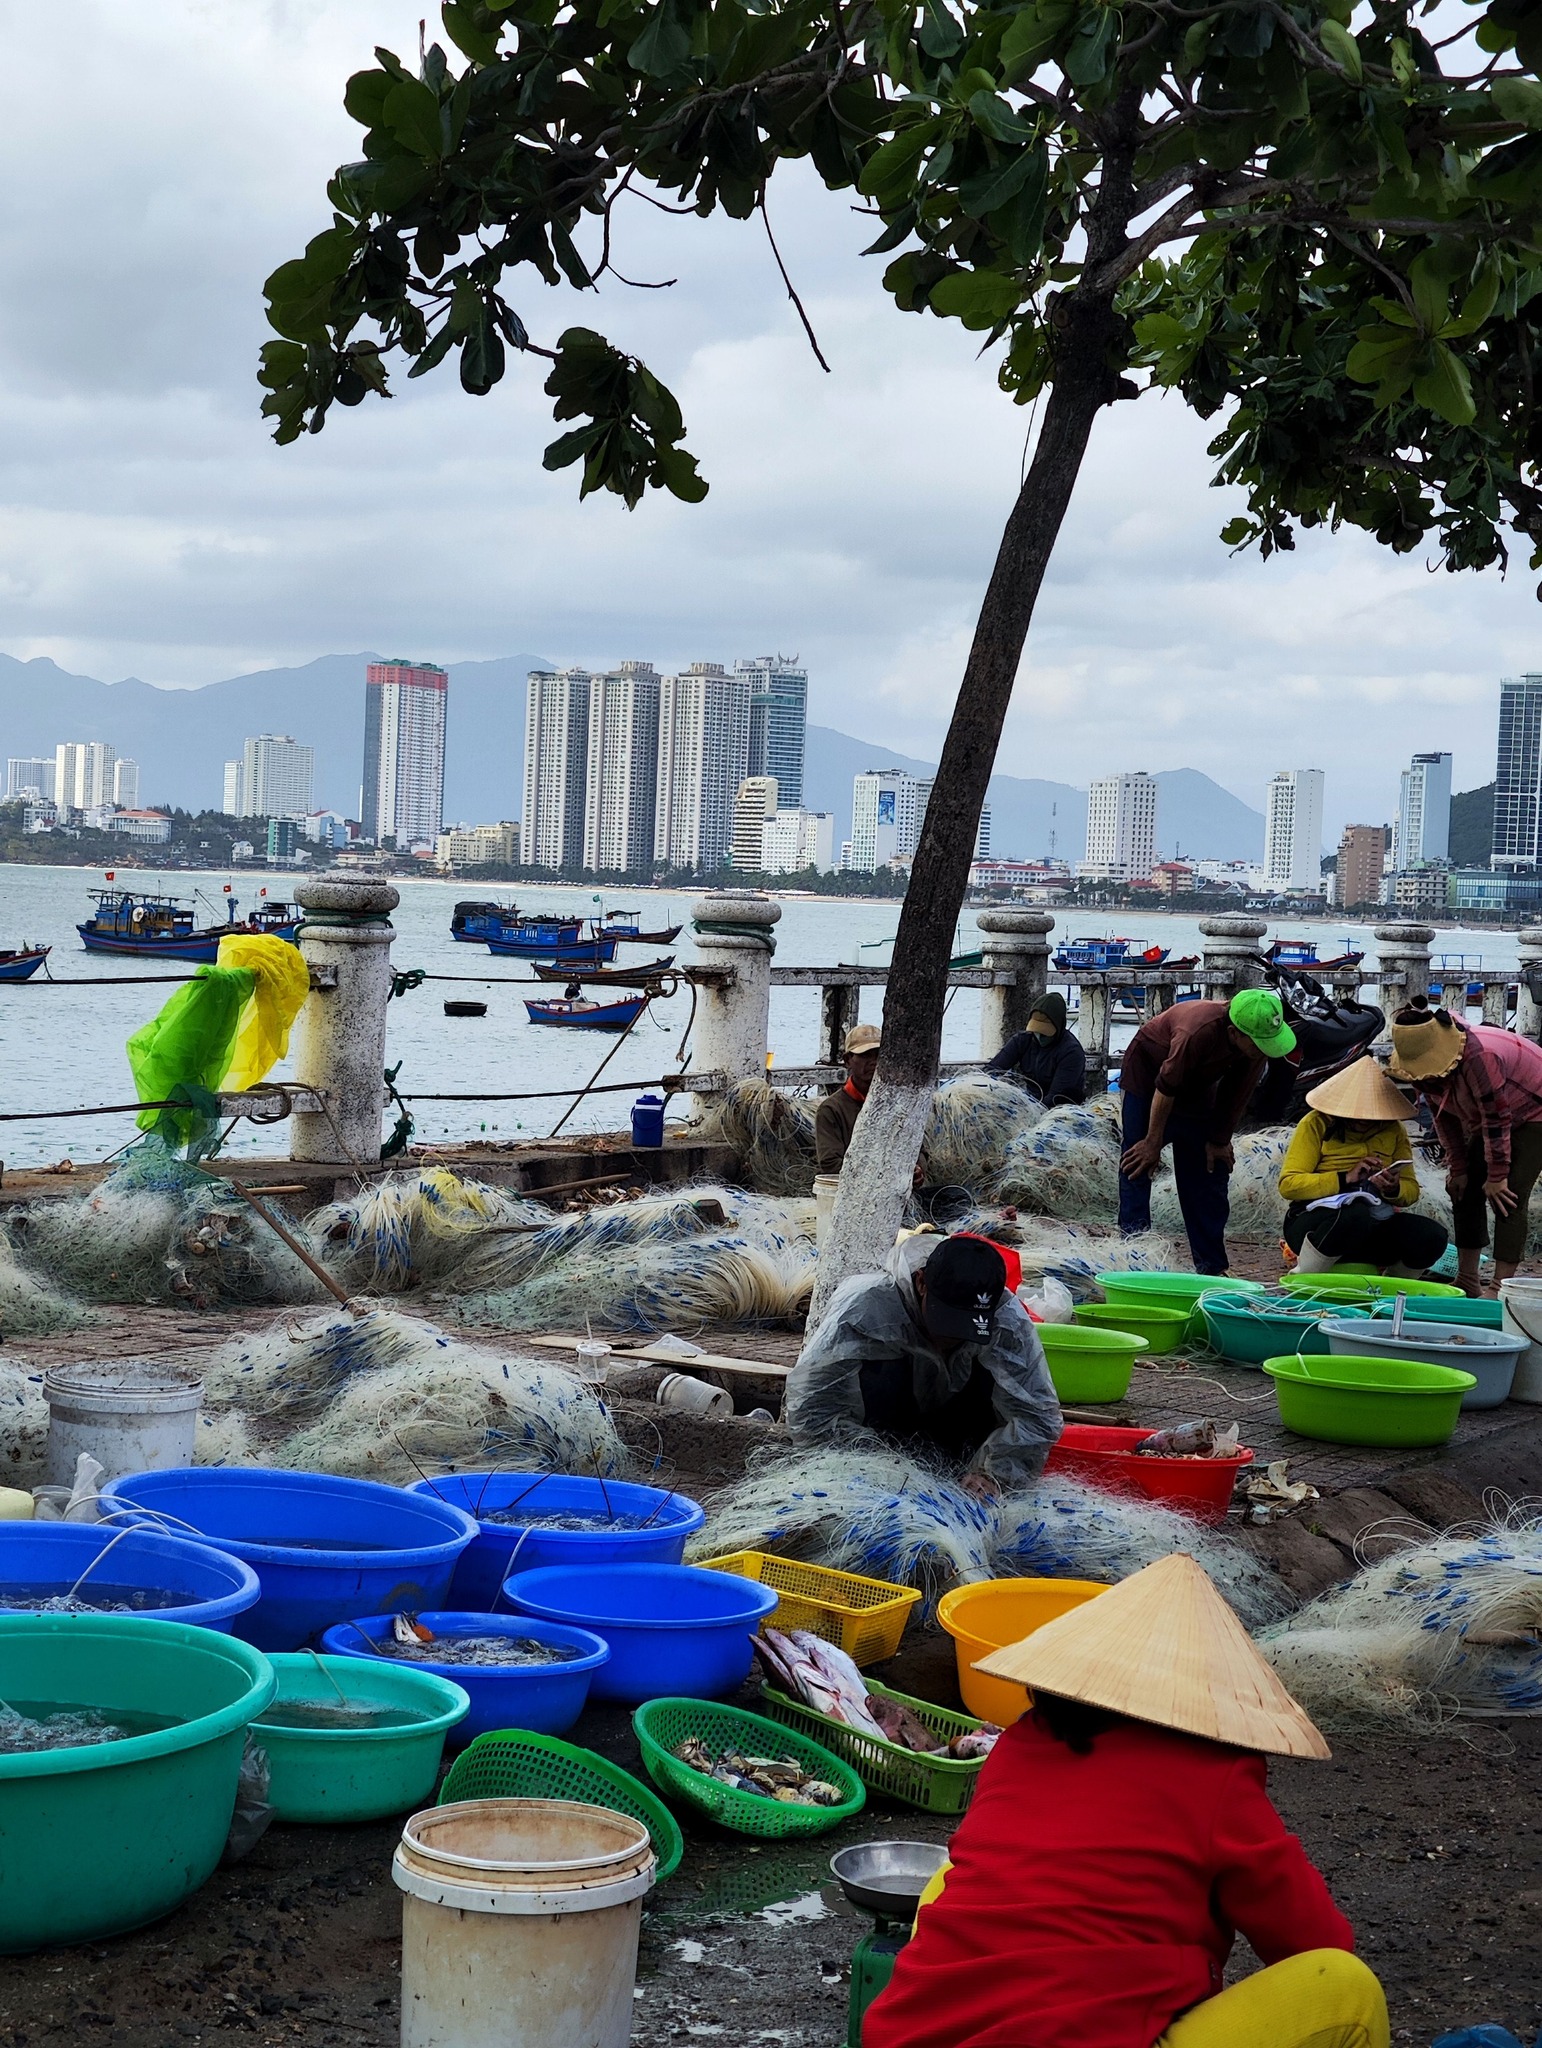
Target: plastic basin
{"points": [[1482, 1315], [546, 1698], [1105, 1456], [1372, 1286], [324, 1549], [1088, 1364], [1390, 1404], [1250, 1328], [166, 1576], [987, 1617], [1173, 1290], [345, 1774], [672, 1628], [99, 1840], [501, 1548], [1162, 1328], [1491, 1356]]}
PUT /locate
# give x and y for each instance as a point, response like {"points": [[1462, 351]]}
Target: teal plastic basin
{"points": [[344, 1774], [1385, 1403], [1248, 1328], [99, 1840], [1089, 1364]]}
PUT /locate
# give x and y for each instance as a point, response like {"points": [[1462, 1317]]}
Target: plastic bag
{"points": [[253, 1815], [76, 1502], [281, 982], [188, 1044], [1054, 1302], [1485, 2036]]}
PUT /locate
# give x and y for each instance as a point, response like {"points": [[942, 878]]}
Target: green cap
{"points": [[1260, 1015]]}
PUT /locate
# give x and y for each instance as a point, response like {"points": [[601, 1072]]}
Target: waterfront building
{"points": [[778, 722], [277, 774], [1293, 830], [83, 772], [887, 806], [125, 784], [1358, 877], [704, 720], [31, 775], [479, 846], [794, 841], [556, 766], [405, 705], [1421, 832], [622, 769], [754, 805], [1121, 828], [1518, 775]]}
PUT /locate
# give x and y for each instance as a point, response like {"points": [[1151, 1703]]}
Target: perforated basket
{"points": [[510, 1763], [662, 1724], [864, 1617], [934, 1784]]}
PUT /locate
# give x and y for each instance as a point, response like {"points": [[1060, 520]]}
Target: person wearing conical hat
{"points": [[1485, 1088], [1120, 1837], [1348, 1176]]}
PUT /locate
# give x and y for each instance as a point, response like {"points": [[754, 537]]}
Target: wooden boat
{"points": [[628, 977], [1303, 953], [22, 962], [528, 944], [1097, 955], [582, 1015], [161, 927], [624, 925]]}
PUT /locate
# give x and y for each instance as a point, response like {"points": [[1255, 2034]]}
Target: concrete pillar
{"points": [[733, 933], [340, 1047], [1528, 1002], [840, 1004], [1015, 941], [1403, 956], [1094, 1020], [1228, 961]]}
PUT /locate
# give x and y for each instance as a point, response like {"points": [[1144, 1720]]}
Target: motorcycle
{"points": [[1332, 1032]]}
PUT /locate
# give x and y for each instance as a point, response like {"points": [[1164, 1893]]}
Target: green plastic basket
{"points": [[662, 1724], [934, 1784], [509, 1763], [1380, 1402], [1087, 1364]]}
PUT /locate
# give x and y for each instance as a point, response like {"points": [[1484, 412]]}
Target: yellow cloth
{"points": [[1325, 1998], [282, 984], [1321, 1148]]}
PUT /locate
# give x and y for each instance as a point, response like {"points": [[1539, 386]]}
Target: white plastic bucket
{"points": [[695, 1397], [825, 1185], [520, 1920], [1521, 1301], [130, 1414]]}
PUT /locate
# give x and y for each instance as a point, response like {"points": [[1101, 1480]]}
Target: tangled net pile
{"points": [[772, 1136], [414, 1229], [1449, 1624]]}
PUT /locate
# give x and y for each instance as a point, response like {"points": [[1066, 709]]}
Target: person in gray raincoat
{"points": [[936, 1353]]}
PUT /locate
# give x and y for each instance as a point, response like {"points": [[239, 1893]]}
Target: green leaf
{"points": [[1237, 532], [991, 188], [977, 297], [940, 35], [893, 164], [1341, 46], [1001, 122], [1086, 61], [1446, 388], [676, 471], [1031, 36], [1431, 296], [435, 352], [1519, 100], [476, 39], [412, 115], [1476, 307], [481, 356], [364, 97], [663, 45]]}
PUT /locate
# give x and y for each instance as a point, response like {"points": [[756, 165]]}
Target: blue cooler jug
{"points": [[648, 1120]]}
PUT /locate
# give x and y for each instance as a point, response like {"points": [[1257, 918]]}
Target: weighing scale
{"points": [[885, 1879]]}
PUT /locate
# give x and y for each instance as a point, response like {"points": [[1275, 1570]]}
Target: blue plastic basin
{"points": [[505, 1547], [185, 1581], [672, 1628], [324, 1549], [545, 1698]]}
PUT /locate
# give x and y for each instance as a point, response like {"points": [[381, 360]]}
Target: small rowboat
{"points": [[585, 1016], [629, 977], [23, 962]]}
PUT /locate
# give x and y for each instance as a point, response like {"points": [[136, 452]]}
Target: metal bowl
{"points": [[887, 1878]]}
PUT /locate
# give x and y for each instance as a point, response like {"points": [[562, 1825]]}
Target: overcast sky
{"points": [[159, 161]]}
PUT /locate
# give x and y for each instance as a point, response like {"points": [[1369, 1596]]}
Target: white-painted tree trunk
{"points": [[875, 1183]]}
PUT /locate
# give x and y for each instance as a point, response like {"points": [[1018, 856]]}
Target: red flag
{"points": [[111, 875]]}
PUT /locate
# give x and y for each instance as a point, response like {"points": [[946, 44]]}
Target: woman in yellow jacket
{"points": [[1349, 1178]]}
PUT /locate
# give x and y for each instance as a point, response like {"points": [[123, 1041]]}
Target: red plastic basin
{"points": [[1104, 1456]]}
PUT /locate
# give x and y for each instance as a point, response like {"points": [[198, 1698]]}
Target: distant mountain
{"points": [[1472, 827]]}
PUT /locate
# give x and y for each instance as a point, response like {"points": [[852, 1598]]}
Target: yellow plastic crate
{"points": [[864, 1617]]}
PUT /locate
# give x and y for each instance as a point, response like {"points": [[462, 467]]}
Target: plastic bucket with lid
{"points": [[520, 1920], [1521, 1301], [130, 1414]]}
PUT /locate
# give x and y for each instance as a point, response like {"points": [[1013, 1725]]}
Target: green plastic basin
{"points": [[342, 1774], [99, 1840], [1249, 1328], [1162, 1328], [1087, 1364], [1174, 1290], [1367, 1286], [1389, 1404]]}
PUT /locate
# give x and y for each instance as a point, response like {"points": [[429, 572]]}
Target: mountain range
{"points": [[182, 738]]}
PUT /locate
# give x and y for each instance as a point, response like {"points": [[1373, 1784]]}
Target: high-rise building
{"points": [[982, 838], [83, 772], [1362, 851], [1517, 841], [1421, 832], [1293, 830], [283, 838], [556, 766], [234, 805], [404, 718], [1121, 828], [753, 806], [125, 783], [704, 737], [276, 777], [33, 773], [622, 769], [794, 841], [778, 721], [887, 807]]}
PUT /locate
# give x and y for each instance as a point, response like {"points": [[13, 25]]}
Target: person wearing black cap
{"points": [[1047, 1058], [934, 1353]]}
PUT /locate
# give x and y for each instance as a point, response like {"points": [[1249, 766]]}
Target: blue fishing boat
{"points": [[579, 1015], [537, 942], [22, 962], [1303, 953], [627, 926], [1096, 955], [162, 928], [473, 923]]}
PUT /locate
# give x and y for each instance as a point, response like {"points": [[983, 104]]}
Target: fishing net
{"points": [[29, 1307], [297, 1366], [23, 1425], [415, 1229], [224, 1440], [1075, 1253], [771, 1134], [109, 1245], [1067, 1164], [974, 1120], [188, 1045], [1257, 1208]]}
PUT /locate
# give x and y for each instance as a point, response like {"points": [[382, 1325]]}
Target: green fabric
{"points": [[186, 1051], [1259, 1014]]}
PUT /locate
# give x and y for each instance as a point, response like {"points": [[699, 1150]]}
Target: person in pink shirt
{"points": [[1484, 1087]]}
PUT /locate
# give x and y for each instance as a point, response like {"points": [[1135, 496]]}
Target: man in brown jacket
{"points": [[836, 1117]]}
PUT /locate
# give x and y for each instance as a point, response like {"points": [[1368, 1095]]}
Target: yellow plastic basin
{"points": [[990, 1615]]}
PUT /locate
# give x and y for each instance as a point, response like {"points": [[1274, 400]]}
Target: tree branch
{"points": [[808, 328]]}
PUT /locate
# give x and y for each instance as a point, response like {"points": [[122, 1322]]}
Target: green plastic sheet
{"points": [[186, 1051]]}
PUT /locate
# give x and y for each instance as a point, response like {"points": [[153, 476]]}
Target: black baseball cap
{"points": [[965, 1280]]}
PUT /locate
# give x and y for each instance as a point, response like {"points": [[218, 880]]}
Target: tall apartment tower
{"points": [[1518, 775], [1421, 835], [1362, 850], [29, 773], [83, 771], [704, 738], [276, 777], [1121, 828], [778, 722], [1293, 830], [234, 803], [125, 783], [887, 807], [622, 769], [556, 766], [754, 804], [404, 718]]}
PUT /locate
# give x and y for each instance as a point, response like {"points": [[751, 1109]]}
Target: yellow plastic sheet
{"points": [[280, 988]]}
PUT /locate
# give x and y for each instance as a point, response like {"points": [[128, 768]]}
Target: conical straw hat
{"points": [[1163, 1646], [1362, 1094]]}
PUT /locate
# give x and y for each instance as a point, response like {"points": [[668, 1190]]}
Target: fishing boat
{"points": [[576, 1013], [473, 923], [20, 963], [650, 970], [1097, 955], [1303, 953], [626, 926], [536, 942], [162, 928]]}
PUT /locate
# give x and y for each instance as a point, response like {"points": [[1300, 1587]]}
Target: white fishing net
{"points": [[23, 1425]]}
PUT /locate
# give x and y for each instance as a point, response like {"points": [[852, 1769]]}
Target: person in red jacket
{"points": [[1120, 1837]]}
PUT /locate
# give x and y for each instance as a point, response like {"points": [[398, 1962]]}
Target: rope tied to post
{"points": [[728, 928], [406, 979], [342, 919]]}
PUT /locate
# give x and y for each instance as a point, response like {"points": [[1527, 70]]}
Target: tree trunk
{"points": [[876, 1178]]}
